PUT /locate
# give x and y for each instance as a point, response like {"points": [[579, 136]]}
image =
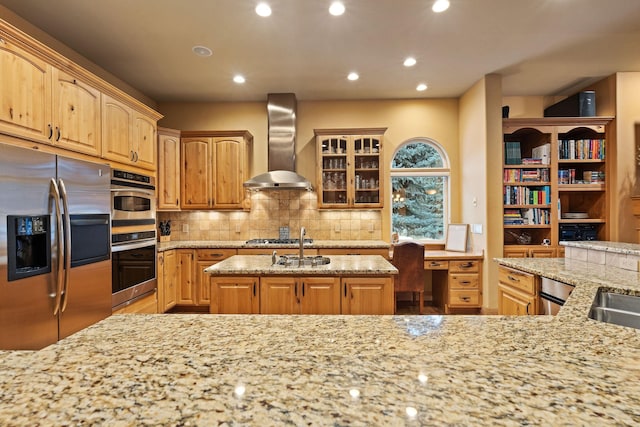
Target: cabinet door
{"points": [[76, 114], [280, 295], [228, 173], [203, 286], [170, 280], [195, 173], [514, 303], [335, 176], [543, 252], [234, 295], [367, 295], [116, 131], [25, 85], [144, 141], [160, 281], [168, 172], [186, 294], [367, 167], [320, 295]]}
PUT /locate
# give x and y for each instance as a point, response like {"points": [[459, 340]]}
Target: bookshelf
{"points": [[554, 183]]}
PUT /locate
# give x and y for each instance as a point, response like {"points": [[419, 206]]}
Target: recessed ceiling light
{"points": [[202, 51], [410, 62], [440, 6], [263, 9], [336, 8], [238, 79], [353, 76], [421, 87]]}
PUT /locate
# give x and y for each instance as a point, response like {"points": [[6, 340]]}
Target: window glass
{"points": [[419, 182]]}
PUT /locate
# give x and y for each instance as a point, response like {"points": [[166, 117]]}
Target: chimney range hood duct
{"points": [[281, 112]]}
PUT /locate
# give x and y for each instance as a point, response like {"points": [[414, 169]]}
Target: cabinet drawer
{"points": [[463, 281], [464, 298], [215, 254], [517, 279], [463, 266], [436, 265]]}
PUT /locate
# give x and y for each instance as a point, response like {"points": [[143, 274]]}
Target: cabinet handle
{"points": [[434, 264], [303, 289], [465, 299], [513, 279], [132, 157], [295, 290], [254, 289], [50, 131], [465, 282], [177, 201], [528, 304], [136, 153], [466, 265], [58, 133], [345, 290]]}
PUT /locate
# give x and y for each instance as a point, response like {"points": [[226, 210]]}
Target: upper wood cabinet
{"points": [[128, 136], [76, 114], [350, 168], [45, 104], [214, 165], [168, 169], [25, 85]]}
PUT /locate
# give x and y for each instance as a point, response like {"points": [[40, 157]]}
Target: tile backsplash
{"points": [[271, 210]]}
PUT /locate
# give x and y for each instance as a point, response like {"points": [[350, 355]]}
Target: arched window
{"points": [[420, 191]]}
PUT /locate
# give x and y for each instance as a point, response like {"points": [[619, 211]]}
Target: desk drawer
{"points": [[464, 298], [464, 266], [436, 265], [517, 279], [463, 281]]}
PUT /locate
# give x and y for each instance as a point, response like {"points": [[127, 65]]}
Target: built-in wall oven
{"points": [[133, 237]]}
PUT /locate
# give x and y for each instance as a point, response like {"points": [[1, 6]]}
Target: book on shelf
{"points": [[527, 216], [542, 152], [581, 149], [517, 195], [512, 154]]}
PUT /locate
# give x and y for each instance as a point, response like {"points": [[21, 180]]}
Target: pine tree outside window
{"points": [[420, 191]]}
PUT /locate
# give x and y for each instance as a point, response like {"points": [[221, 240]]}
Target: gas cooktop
{"points": [[277, 241]]}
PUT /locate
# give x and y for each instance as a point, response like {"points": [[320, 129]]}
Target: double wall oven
{"points": [[133, 237]]}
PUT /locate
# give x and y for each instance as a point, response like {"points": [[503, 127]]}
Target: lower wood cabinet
{"points": [[464, 284], [367, 295], [299, 295], [513, 251], [234, 295], [167, 280], [517, 292], [194, 283]]}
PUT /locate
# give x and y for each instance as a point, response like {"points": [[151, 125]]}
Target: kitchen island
{"points": [[269, 284]]}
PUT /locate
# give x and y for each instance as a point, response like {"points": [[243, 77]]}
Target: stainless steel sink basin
{"points": [[619, 309], [308, 261]]}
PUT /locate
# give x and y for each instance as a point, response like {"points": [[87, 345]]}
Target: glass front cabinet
{"points": [[350, 168]]}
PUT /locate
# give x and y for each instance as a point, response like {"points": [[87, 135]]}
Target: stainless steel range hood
{"points": [[281, 112]]}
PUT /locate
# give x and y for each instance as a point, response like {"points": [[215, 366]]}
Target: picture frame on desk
{"points": [[457, 237]]}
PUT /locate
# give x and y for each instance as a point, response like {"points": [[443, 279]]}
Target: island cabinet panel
{"points": [[367, 295], [234, 295], [280, 295], [320, 295]]}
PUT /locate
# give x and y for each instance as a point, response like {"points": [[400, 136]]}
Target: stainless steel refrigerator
{"points": [[55, 248]]}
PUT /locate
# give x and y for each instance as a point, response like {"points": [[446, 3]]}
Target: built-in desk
{"points": [[456, 279]]}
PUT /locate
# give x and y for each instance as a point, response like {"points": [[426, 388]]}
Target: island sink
{"points": [[619, 309], [308, 261]]}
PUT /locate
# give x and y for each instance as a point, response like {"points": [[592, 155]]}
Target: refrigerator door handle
{"points": [[55, 193], [67, 245]]}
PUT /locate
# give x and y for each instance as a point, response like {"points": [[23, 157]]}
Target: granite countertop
{"points": [[241, 244], [339, 265], [204, 369]]}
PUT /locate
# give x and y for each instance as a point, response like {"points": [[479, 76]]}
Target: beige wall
{"points": [[481, 178], [404, 119]]}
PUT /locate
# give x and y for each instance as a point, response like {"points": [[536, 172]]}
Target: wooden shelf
{"points": [[581, 221], [581, 187], [574, 161], [527, 226], [527, 206], [527, 183], [526, 166]]}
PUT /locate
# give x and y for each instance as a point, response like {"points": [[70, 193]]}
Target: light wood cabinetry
{"points": [[367, 295], [464, 284], [554, 182], [214, 165], [128, 137], [167, 280], [517, 292], [234, 295], [350, 168], [299, 295], [168, 169], [194, 286]]}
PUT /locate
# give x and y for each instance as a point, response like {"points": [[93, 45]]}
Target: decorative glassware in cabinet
{"points": [[334, 171], [367, 170]]}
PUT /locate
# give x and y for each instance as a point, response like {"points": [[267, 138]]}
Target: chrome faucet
{"points": [[302, 234]]}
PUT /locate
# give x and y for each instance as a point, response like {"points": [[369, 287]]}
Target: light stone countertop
{"points": [[613, 247], [340, 264], [242, 244], [204, 369]]}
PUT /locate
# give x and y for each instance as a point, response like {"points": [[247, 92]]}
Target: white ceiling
{"points": [[540, 47]]}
